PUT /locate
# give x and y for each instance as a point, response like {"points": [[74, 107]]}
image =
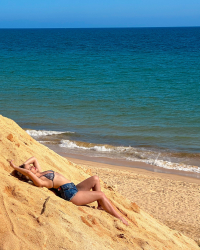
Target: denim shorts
{"points": [[68, 191]]}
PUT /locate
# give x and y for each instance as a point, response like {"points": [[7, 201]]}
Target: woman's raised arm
{"points": [[35, 162], [37, 181]]}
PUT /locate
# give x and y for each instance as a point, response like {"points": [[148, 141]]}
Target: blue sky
{"points": [[98, 13]]}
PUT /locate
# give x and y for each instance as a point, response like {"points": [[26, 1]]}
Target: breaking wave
{"points": [[161, 158], [132, 154], [39, 133]]}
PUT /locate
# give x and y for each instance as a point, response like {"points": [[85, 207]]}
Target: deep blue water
{"points": [[136, 86]]}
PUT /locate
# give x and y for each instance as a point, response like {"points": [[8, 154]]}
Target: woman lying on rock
{"points": [[78, 195]]}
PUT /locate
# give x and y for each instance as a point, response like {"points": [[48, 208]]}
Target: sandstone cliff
{"points": [[35, 218]]}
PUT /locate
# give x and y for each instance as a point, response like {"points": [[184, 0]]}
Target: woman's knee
{"points": [[95, 178]]}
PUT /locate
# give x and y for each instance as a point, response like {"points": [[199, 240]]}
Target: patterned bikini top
{"points": [[49, 176]]}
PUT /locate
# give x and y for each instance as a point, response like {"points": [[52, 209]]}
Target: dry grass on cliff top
{"points": [[35, 218]]}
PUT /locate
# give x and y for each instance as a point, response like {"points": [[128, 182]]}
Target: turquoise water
{"points": [[127, 93]]}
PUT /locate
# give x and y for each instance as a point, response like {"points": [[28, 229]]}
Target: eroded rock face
{"points": [[35, 218]]}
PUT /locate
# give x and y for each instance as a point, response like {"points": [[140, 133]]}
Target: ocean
{"points": [[131, 94]]}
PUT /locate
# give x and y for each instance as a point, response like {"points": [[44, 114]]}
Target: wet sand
{"points": [[169, 197]]}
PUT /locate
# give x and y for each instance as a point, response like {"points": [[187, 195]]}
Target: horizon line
{"points": [[142, 27]]}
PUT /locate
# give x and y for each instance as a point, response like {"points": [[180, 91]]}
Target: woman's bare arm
{"points": [[37, 181], [35, 162]]}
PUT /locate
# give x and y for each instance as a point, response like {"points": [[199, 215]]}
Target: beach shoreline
{"points": [[122, 163], [136, 167], [119, 156]]}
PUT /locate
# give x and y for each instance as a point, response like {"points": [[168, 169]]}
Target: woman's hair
{"points": [[20, 175]]}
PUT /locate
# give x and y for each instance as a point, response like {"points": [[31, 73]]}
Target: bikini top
{"points": [[50, 175]]}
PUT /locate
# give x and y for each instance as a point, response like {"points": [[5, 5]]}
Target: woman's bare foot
{"points": [[124, 221]]}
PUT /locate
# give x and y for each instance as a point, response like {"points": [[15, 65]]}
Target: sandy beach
{"points": [[35, 218], [172, 199]]}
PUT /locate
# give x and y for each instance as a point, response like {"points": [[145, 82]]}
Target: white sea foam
{"points": [[72, 145], [38, 133], [169, 165], [69, 144], [175, 166], [102, 149]]}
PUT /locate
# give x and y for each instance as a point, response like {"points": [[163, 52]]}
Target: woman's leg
{"points": [[90, 183], [85, 197]]}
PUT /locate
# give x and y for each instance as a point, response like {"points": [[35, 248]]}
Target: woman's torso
{"points": [[55, 180]]}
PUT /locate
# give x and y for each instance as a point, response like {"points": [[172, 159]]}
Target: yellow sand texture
{"points": [[35, 218], [173, 200]]}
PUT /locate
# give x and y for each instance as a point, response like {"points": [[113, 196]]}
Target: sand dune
{"points": [[35, 218]]}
